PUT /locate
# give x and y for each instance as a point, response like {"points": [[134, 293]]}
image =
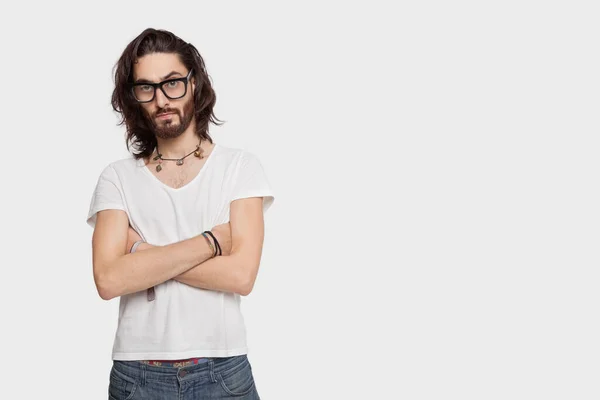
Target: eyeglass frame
{"points": [[159, 85]]}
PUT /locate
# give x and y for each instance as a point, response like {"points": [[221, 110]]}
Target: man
{"points": [[178, 232]]}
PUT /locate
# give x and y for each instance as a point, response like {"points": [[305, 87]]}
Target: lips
{"points": [[166, 115]]}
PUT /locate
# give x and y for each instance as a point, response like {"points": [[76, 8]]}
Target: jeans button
{"points": [[182, 374]]}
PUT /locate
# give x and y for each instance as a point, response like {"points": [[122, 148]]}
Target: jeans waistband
{"points": [[206, 368]]}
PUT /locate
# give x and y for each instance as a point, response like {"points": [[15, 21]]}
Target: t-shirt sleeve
{"points": [[107, 195], [251, 181]]}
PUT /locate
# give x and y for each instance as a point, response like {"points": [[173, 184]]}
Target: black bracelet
{"points": [[216, 248], [217, 245]]}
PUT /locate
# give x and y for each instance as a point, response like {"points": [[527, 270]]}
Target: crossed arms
{"points": [[118, 272]]}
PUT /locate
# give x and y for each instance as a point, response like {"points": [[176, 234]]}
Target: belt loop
{"points": [[211, 368], [143, 383]]}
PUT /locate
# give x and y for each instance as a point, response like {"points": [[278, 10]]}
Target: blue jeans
{"points": [[213, 378]]}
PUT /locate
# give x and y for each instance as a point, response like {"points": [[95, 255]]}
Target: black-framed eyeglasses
{"points": [[144, 92]]}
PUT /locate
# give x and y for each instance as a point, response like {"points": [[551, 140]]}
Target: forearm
{"points": [[137, 271], [224, 273]]}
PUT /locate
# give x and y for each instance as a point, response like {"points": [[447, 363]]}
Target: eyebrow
{"points": [[169, 75]]}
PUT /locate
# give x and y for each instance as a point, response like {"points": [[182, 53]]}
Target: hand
{"points": [[132, 237], [223, 234]]}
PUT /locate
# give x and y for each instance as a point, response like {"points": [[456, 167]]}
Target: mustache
{"points": [[165, 111]]}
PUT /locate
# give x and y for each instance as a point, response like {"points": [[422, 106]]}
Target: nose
{"points": [[161, 99]]}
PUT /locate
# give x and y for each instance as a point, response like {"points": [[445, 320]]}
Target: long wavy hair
{"points": [[139, 129]]}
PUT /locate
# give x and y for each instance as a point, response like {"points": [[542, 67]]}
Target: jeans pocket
{"points": [[238, 380], [121, 386]]}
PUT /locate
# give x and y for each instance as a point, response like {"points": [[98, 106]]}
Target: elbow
{"points": [[246, 283], [245, 290], [106, 290], [105, 294]]}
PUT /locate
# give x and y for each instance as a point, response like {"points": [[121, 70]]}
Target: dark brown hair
{"points": [[139, 130]]}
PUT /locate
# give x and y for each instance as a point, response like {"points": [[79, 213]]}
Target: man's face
{"points": [[169, 118]]}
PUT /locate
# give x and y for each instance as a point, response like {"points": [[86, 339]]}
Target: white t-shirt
{"points": [[182, 321]]}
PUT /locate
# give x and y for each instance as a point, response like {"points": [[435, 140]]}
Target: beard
{"points": [[176, 125]]}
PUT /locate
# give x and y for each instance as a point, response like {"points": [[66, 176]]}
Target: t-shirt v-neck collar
{"points": [[147, 171]]}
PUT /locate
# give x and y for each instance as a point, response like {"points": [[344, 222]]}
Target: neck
{"points": [[180, 146]]}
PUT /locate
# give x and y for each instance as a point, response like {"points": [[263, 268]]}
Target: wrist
{"points": [[215, 242], [211, 243]]}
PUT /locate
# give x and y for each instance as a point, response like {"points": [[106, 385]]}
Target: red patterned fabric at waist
{"points": [[175, 363]]}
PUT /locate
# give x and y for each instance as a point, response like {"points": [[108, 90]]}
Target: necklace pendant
{"points": [[180, 161], [158, 168]]}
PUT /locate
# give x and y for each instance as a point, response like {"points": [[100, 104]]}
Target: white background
{"points": [[436, 223]]}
